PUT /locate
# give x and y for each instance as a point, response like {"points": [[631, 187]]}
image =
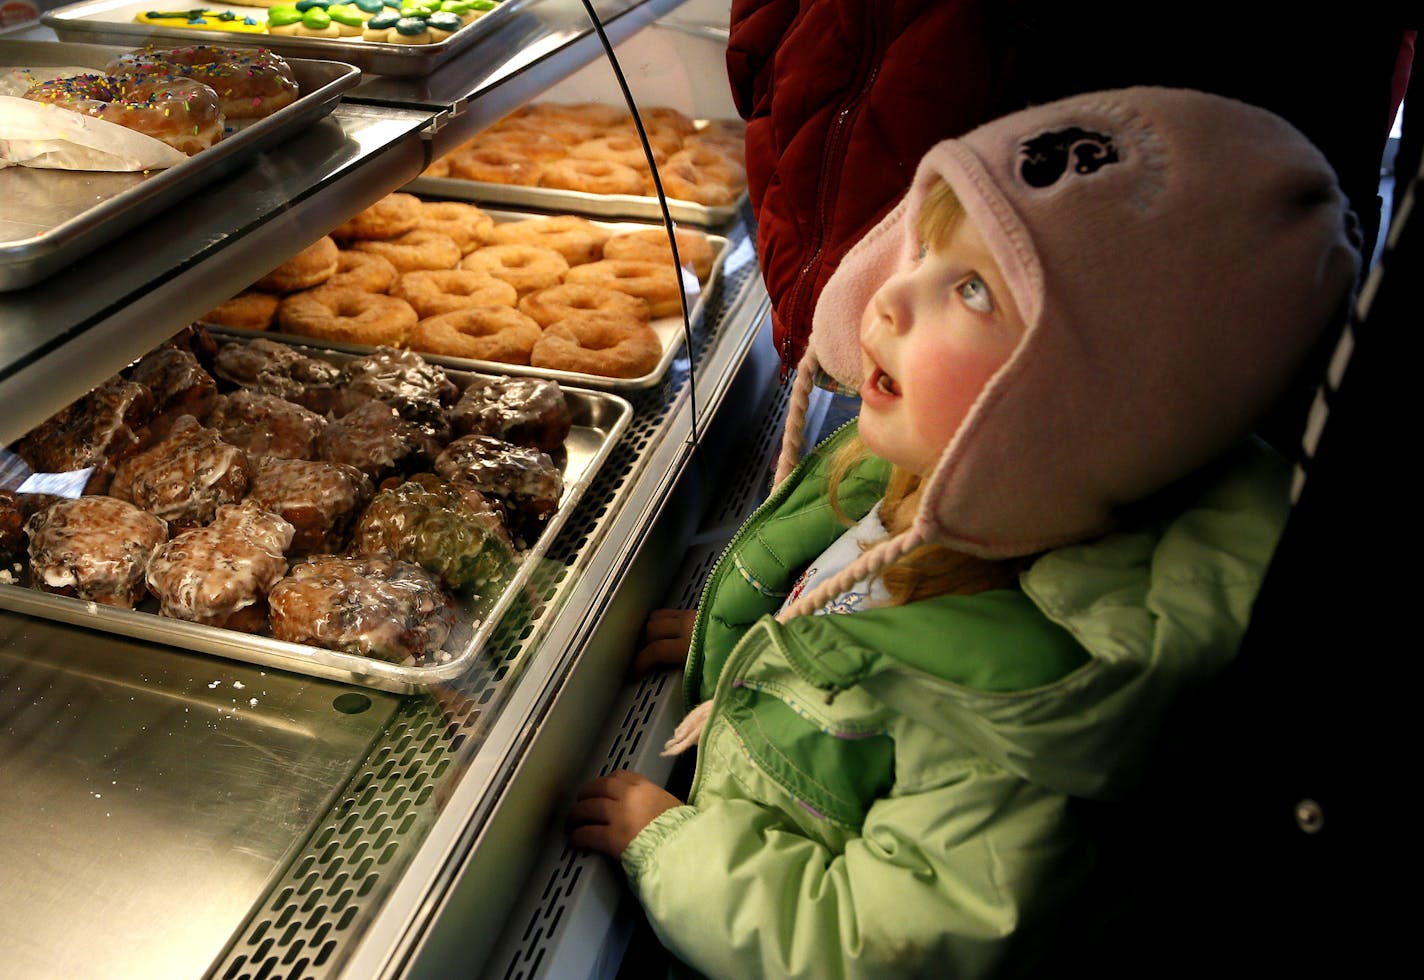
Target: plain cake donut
{"points": [[414, 250], [436, 291], [592, 343], [248, 310], [365, 271], [394, 214], [592, 177], [652, 245], [656, 283], [525, 267], [546, 306], [482, 333], [496, 165], [310, 267], [467, 225], [348, 315], [577, 239]]}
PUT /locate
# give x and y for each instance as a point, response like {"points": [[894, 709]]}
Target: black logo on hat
{"points": [[1047, 157]]}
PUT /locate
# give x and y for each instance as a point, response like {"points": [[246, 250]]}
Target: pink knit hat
{"points": [[1174, 256]]}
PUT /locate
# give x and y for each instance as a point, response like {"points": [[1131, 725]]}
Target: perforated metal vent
{"points": [[320, 905], [564, 873]]}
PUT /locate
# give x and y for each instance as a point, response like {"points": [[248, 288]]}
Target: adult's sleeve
{"points": [[755, 31]]}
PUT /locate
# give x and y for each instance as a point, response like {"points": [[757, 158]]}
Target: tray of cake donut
{"points": [[588, 158], [585, 302], [147, 127], [385, 37], [368, 519]]}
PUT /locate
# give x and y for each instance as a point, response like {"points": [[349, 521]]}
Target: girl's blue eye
{"points": [[975, 294], [924, 250]]}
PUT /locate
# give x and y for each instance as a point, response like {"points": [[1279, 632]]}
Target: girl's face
{"points": [[933, 334]]}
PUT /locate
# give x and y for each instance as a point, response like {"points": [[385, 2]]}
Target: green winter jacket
{"points": [[886, 792]]}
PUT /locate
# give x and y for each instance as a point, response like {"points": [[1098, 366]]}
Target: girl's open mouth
{"points": [[883, 382]]}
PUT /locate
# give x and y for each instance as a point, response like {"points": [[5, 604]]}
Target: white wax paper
{"points": [[34, 134]]}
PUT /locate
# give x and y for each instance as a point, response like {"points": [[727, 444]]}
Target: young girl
{"points": [[1062, 339]]}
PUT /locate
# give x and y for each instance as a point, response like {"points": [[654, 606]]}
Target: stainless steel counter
{"points": [[170, 814], [151, 797]]}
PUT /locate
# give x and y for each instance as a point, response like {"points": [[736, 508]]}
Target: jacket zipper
{"points": [[801, 287], [692, 673]]}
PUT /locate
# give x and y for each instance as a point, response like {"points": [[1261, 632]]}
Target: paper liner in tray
{"points": [[599, 418], [575, 202], [669, 330]]}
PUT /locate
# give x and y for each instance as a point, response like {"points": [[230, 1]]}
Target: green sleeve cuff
{"points": [[641, 852]]}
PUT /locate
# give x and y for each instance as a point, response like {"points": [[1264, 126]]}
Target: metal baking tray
{"points": [[599, 420], [112, 22], [668, 328], [52, 218], [576, 202]]}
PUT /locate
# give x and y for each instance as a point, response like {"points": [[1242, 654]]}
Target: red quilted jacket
{"points": [[843, 97]]}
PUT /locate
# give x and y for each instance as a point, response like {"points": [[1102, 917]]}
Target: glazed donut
{"points": [[483, 333], [525, 267], [703, 175], [437, 168], [577, 239], [656, 283], [251, 83], [495, 165], [652, 245], [365, 271], [435, 291], [547, 306], [347, 315], [418, 249], [392, 215], [310, 267], [179, 111], [594, 344], [249, 310], [620, 148], [467, 225], [592, 177]]}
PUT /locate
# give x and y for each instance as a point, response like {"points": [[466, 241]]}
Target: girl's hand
{"points": [[611, 810], [667, 636]]}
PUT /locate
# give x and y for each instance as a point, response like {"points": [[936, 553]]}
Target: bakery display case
{"points": [[177, 811]]}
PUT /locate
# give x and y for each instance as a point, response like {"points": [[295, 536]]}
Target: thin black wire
{"points": [[662, 204]]}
